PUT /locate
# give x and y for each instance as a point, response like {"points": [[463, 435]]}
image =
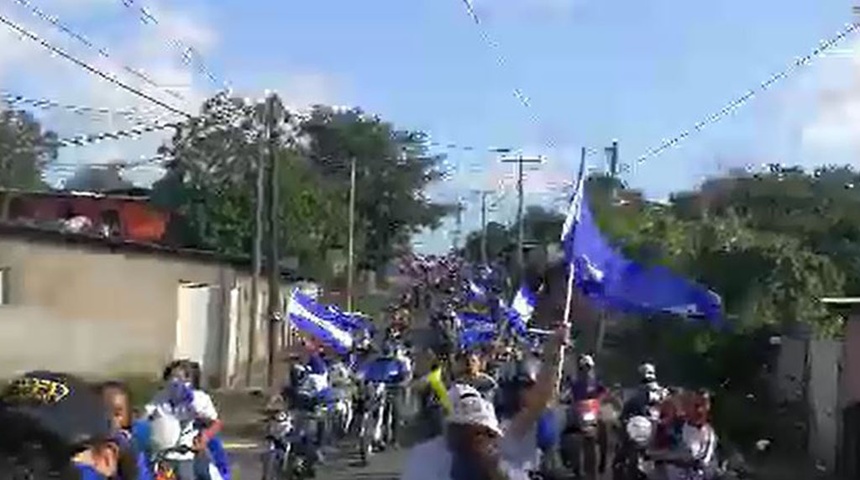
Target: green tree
{"points": [[393, 169], [211, 182], [98, 179], [25, 150]]}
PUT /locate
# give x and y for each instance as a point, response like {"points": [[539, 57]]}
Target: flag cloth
{"points": [[524, 303], [346, 320], [606, 276], [317, 321]]}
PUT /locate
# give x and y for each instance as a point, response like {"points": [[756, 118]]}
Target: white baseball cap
{"points": [[468, 407]]}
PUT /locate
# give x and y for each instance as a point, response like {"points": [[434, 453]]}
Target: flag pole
{"points": [[580, 184], [578, 197]]}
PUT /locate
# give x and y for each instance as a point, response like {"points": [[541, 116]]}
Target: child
{"points": [[198, 418], [132, 461]]}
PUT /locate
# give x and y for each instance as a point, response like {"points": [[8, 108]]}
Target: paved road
{"points": [[341, 464]]}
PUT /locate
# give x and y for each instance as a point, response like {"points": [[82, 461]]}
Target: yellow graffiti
{"points": [[34, 389]]}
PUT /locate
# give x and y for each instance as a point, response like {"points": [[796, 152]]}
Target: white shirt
{"points": [[314, 383], [202, 407], [431, 460]]}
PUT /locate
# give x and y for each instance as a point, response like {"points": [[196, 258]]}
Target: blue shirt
{"points": [[89, 473], [316, 365], [384, 370]]}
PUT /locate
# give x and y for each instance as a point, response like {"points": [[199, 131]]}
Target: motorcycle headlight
{"points": [[639, 430]]}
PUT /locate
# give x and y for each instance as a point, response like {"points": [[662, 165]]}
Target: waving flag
{"points": [[477, 334], [524, 303], [316, 320], [469, 319], [603, 274], [346, 320]]}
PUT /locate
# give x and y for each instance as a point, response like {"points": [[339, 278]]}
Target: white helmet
{"points": [[165, 431], [586, 361], [648, 372]]}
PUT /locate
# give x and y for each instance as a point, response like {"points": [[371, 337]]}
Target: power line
{"points": [[106, 76], [103, 52], [822, 47], [190, 55], [500, 59], [131, 114]]}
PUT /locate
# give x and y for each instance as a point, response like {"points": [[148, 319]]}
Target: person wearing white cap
{"points": [[474, 445]]}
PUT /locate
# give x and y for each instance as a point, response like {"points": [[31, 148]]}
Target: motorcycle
{"points": [[290, 453], [581, 437], [370, 407], [632, 461]]}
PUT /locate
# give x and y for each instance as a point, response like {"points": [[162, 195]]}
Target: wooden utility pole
{"points": [[256, 259], [350, 268], [273, 118], [520, 161]]}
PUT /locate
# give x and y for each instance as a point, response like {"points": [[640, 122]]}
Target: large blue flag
{"points": [[606, 276]]}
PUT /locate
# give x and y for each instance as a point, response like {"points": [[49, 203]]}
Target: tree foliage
{"points": [[211, 182], [25, 150], [393, 169], [772, 245]]}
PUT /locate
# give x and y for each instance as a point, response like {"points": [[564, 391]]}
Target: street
{"points": [[341, 463]]}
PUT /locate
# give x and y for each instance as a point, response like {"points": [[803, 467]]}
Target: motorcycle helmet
{"points": [[585, 361], [648, 372], [165, 431]]}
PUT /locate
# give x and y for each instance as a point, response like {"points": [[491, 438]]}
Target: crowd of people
{"points": [[58, 426], [495, 410]]}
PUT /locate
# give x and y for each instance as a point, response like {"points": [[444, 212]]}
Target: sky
{"points": [[592, 71]]}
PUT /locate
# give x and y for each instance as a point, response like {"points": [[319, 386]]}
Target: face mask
{"points": [[181, 392]]}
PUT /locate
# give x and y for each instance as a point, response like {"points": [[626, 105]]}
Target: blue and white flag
{"points": [[475, 292], [603, 274], [524, 303], [317, 320], [348, 321], [477, 334], [470, 319]]}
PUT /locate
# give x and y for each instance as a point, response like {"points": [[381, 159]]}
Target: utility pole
{"points": [[273, 117], [521, 234], [612, 158], [350, 266], [458, 229], [483, 194], [256, 259]]}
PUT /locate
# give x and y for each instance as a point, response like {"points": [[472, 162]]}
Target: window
{"points": [[4, 286]]}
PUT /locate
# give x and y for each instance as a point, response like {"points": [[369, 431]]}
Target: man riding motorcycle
{"points": [[583, 389], [649, 394], [392, 369]]}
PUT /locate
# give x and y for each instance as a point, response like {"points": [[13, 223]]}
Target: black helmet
{"points": [[524, 372]]}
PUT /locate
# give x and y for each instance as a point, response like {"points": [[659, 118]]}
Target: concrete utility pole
{"points": [[350, 265], [458, 227], [612, 159], [484, 194], [274, 112], [520, 161], [256, 259]]}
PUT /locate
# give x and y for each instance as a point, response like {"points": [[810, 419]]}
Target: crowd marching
{"points": [[473, 394]]}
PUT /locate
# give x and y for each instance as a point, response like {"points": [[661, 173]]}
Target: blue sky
{"points": [[593, 70]]}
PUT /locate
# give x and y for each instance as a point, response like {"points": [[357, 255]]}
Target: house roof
{"points": [[131, 195], [35, 233]]}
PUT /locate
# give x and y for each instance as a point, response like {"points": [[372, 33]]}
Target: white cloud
{"points": [[29, 70], [832, 132]]}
